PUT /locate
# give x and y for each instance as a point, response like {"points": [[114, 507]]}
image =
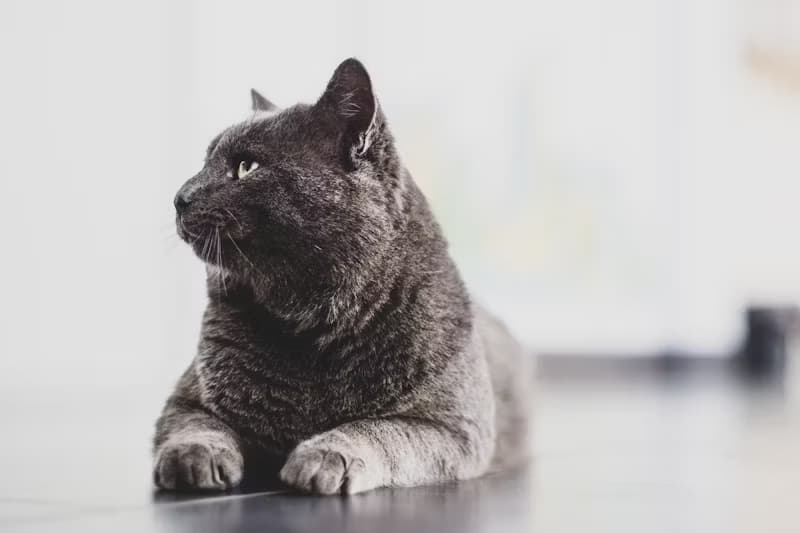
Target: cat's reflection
{"points": [[466, 506]]}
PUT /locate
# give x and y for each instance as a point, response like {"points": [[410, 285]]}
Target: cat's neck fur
{"points": [[327, 307]]}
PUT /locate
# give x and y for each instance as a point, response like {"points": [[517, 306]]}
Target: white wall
{"points": [[606, 171]]}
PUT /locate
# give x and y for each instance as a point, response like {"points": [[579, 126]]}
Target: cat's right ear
{"points": [[260, 103]]}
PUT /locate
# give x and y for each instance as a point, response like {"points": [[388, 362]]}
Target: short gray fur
{"points": [[339, 339]]}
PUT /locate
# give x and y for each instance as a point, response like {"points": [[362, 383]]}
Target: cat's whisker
{"points": [[216, 271], [206, 246], [211, 244], [168, 232], [221, 264], [170, 245], [247, 259], [183, 227], [234, 218]]}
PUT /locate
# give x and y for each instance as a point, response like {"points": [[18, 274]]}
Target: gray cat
{"points": [[339, 338]]}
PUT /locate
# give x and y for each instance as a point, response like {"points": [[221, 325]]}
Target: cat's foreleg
{"points": [[392, 452], [195, 450]]}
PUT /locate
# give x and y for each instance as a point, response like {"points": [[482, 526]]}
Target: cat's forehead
{"points": [[261, 126]]}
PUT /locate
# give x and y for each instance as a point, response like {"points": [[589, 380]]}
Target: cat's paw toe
{"points": [[197, 466], [323, 471]]}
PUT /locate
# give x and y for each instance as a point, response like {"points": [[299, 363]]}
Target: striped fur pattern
{"points": [[339, 340]]}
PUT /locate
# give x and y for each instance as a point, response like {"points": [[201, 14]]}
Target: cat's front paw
{"points": [[197, 465], [324, 470]]}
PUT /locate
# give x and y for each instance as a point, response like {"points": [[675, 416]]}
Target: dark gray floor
{"points": [[618, 447]]}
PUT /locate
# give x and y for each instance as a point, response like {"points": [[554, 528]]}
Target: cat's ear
{"points": [[349, 96], [260, 103]]}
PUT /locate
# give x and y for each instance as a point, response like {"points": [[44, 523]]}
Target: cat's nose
{"points": [[188, 192], [181, 202]]}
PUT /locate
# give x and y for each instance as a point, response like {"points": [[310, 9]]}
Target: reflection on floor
{"points": [[619, 446]]}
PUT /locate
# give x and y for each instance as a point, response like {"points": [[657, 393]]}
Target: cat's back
{"points": [[511, 372]]}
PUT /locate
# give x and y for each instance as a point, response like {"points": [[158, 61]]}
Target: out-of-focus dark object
{"points": [[769, 335]]}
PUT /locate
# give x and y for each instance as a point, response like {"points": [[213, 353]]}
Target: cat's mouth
{"points": [[183, 232], [194, 225], [213, 235]]}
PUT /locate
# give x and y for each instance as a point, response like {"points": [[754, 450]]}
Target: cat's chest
{"points": [[275, 407]]}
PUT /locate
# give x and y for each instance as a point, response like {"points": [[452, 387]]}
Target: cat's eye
{"points": [[245, 168]]}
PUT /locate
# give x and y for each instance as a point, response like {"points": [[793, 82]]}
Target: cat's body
{"points": [[338, 335]]}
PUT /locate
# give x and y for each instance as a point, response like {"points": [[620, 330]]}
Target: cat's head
{"points": [[310, 190]]}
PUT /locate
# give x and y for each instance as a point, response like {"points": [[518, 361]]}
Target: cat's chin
{"points": [[190, 234], [213, 270]]}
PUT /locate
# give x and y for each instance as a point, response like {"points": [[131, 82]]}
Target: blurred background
{"points": [[616, 177]]}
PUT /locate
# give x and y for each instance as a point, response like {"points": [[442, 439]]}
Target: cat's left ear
{"points": [[260, 103], [349, 96]]}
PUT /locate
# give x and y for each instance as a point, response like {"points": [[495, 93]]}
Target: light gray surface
{"points": [[616, 450]]}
